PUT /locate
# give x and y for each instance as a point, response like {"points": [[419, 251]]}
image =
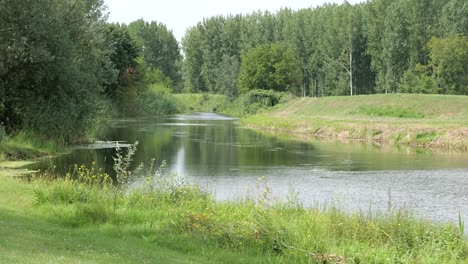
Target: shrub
{"points": [[417, 81], [157, 100], [253, 101]]}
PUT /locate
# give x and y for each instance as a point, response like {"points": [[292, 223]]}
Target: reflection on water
{"points": [[216, 152]]}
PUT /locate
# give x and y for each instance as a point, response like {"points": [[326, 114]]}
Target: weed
{"points": [[122, 163]]}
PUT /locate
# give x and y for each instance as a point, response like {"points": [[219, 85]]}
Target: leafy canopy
{"points": [[270, 67]]}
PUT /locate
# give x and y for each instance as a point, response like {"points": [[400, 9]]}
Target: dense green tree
{"points": [[295, 32], [213, 50], [449, 61], [228, 75], [192, 44], [396, 46], [423, 17], [270, 67], [418, 80], [53, 64], [374, 25], [158, 47], [123, 56], [342, 49], [363, 76], [453, 18]]}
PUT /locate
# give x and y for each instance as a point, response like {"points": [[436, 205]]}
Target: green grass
{"points": [[81, 218], [25, 146], [431, 121], [430, 107], [390, 111], [33, 234]]}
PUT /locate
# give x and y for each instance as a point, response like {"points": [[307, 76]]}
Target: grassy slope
{"points": [[437, 121], [30, 235]]}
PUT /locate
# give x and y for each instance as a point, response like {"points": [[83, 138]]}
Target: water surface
{"points": [[227, 159]]}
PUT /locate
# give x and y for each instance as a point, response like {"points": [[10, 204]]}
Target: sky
{"points": [[179, 15]]}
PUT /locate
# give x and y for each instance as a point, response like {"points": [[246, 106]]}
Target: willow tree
{"points": [[53, 65]]}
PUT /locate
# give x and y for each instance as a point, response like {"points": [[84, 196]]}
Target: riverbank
{"points": [[428, 121], [22, 149], [82, 220]]}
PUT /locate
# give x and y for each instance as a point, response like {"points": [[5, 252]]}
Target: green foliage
{"points": [[53, 64], [156, 77], [341, 49], [262, 97], [390, 111], [253, 102], [158, 48], [157, 100], [454, 19], [122, 163], [418, 81], [150, 94], [123, 57], [193, 50], [228, 75], [270, 67], [449, 61]]}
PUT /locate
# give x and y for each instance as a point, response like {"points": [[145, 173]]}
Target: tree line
{"points": [[381, 46], [63, 66]]}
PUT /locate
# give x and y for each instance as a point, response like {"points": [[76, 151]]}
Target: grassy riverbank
{"points": [[79, 219], [431, 121], [22, 149]]}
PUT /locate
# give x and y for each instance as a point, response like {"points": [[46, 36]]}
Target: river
{"points": [[228, 160]]}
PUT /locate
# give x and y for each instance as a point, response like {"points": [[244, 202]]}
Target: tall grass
{"points": [[25, 145], [165, 205]]}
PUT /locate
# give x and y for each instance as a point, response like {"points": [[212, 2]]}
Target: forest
{"points": [[63, 67]]}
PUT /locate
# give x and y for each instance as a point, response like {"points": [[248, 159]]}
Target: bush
{"points": [[417, 81], [157, 100], [254, 101]]}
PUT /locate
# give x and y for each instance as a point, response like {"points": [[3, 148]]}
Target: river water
{"points": [[228, 160]]}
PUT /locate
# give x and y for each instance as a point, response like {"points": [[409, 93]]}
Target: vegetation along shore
{"points": [[380, 72], [436, 122]]}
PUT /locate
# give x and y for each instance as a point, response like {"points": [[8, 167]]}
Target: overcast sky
{"points": [[179, 15]]}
